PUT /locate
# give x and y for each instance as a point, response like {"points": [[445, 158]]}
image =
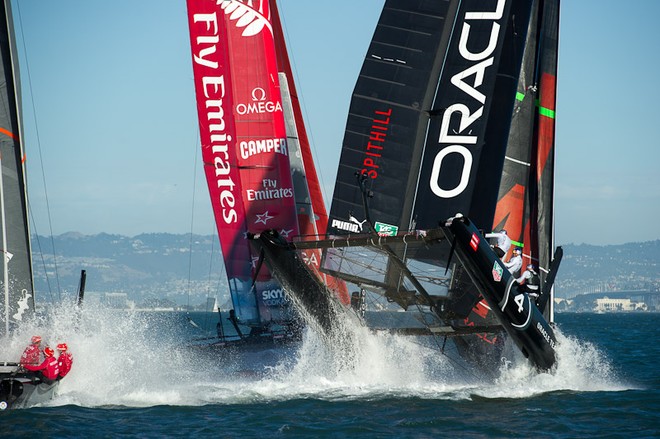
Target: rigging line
{"points": [[41, 255], [301, 99], [192, 221], [41, 161], [208, 285], [441, 345]]}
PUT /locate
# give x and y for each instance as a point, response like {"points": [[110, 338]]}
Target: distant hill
{"points": [[590, 268], [182, 268], [186, 269]]}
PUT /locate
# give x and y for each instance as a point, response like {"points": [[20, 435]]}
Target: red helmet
{"points": [[36, 339], [62, 347], [48, 351]]}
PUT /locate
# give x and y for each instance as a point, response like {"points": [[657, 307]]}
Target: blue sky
{"points": [[110, 118]]}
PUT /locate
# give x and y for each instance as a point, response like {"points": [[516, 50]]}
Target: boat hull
{"points": [[23, 389], [517, 313]]}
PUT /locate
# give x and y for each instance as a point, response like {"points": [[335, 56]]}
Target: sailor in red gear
{"points": [[65, 360], [50, 368], [30, 359]]}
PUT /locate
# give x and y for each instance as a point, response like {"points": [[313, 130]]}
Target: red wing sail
{"points": [[244, 142]]}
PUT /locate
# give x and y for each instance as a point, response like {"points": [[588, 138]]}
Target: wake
{"points": [[136, 359]]}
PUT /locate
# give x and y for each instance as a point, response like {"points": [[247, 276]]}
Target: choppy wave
{"points": [[136, 359]]}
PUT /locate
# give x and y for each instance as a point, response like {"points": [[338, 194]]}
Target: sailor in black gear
{"points": [[531, 282]]}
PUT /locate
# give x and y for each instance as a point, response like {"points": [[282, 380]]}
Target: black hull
{"points": [[310, 297], [23, 389], [517, 313]]}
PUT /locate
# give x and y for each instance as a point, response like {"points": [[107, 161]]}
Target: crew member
{"points": [[30, 359], [515, 263], [530, 280], [64, 361], [503, 242], [49, 370]]}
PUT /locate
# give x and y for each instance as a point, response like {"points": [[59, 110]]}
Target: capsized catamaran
{"points": [[256, 155], [17, 388], [450, 133]]}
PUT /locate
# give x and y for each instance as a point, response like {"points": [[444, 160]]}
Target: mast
{"points": [[4, 256]]}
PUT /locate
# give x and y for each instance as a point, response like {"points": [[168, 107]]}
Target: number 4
{"points": [[520, 299]]}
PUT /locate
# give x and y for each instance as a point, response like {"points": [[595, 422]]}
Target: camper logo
{"points": [[497, 272]]}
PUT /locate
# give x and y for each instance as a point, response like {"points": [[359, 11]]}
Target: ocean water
{"points": [[133, 377]]}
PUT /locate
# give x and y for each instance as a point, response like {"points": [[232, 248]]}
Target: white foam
{"points": [[135, 359]]}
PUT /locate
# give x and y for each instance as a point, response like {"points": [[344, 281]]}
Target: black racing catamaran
{"points": [[450, 134], [17, 388]]}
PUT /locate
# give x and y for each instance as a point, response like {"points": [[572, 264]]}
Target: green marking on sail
{"points": [[547, 112], [520, 96], [544, 111], [519, 244]]}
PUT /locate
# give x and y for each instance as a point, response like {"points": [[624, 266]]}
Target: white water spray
{"points": [[137, 360]]}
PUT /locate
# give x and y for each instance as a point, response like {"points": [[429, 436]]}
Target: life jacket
{"points": [[50, 368], [30, 358], [533, 282], [64, 362]]}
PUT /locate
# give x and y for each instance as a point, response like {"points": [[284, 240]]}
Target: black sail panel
{"points": [[17, 293], [544, 165], [387, 118], [517, 190], [468, 133]]}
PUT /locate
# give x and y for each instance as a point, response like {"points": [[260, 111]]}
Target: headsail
{"points": [[545, 152], [17, 282]]}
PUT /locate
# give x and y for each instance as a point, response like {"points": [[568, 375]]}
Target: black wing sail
{"points": [[430, 114], [388, 115], [545, 162], [466, 142], [429, 119], [17, 292]]}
